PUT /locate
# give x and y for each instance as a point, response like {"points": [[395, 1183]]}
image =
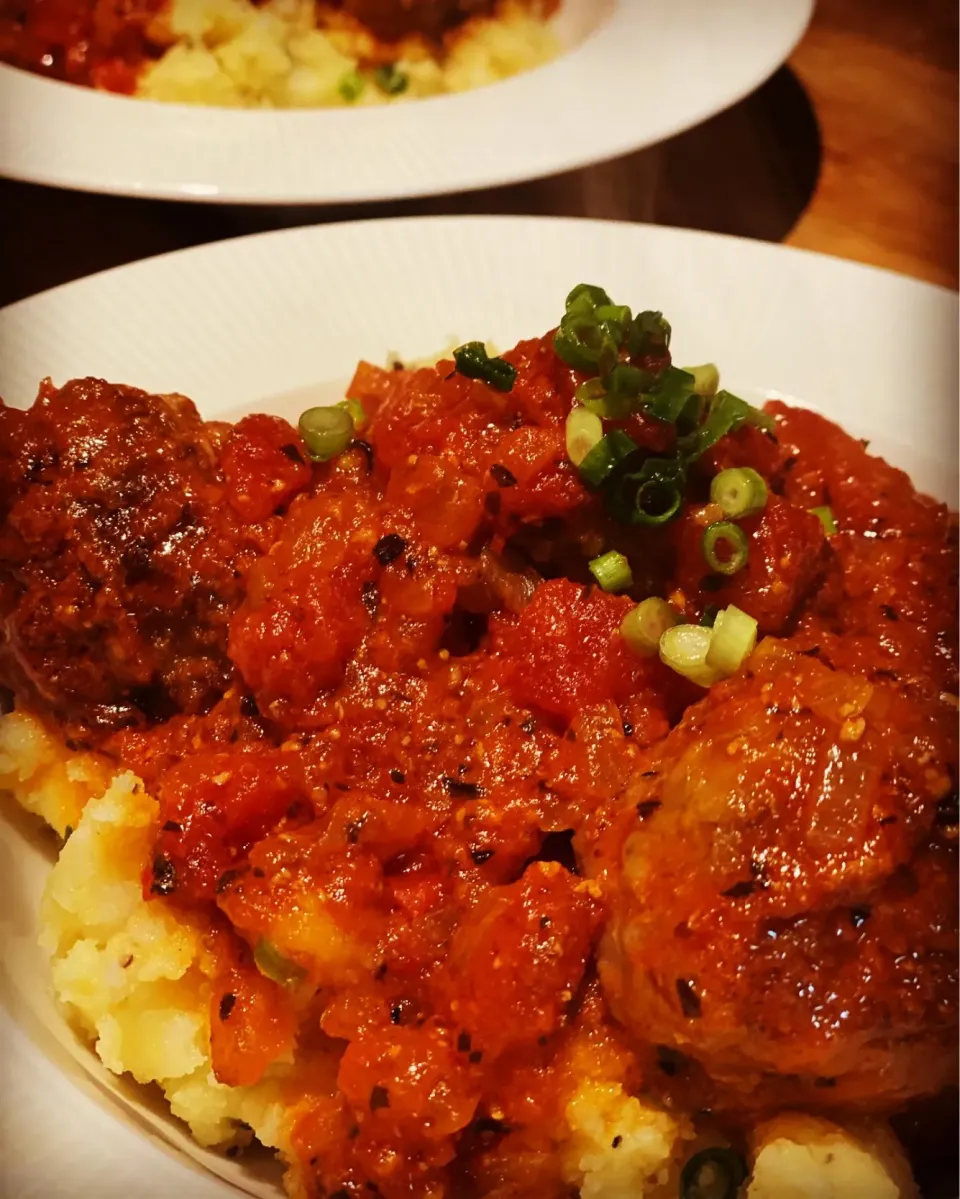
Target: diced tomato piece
{"points": [[265, 464]]}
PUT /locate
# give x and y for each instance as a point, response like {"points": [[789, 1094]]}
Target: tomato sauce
{"points": [[459, 847]]}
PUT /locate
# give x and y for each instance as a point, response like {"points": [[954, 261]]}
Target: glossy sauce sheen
{"points": [[393, 732]]}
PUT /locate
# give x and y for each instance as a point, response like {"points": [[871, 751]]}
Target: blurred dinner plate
{"points": [[632, 72], [280, 320]]}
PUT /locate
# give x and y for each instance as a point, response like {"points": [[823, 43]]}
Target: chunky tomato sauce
{"points": [[458, 846], [107, 43]]}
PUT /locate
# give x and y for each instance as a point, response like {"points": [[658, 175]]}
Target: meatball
{"points": [[392, 20], [123, 552], [784, 907]]}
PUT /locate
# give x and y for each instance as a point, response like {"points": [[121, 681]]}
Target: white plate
{"points": [[634, 72], [266, 322]]}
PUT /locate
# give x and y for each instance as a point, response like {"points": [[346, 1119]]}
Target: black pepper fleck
{"points": [[689, 999], [462, 790], [503, 477], [464, 1043], [389, 548], [398, 776], [480, 856], [164, 876], [616, 1142], [291, 452], [646, 809], [226, 1005], [740, 890], [379, 1098]]}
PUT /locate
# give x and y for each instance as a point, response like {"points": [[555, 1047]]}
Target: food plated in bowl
{"points": [[483, 873], [359, 150], [283, 53]]}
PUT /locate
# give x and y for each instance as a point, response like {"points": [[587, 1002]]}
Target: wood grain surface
{"points": [[882, 78], [852, 152]]}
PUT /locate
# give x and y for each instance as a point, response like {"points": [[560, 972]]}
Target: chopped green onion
{"points": [[739, 491], [706, 379], [725, 414], [658, 501], [714, 1173], [586, 345], [644, 625], [390, 80], [586, 297], [734, 640], [612, 571], [724, 533], [326, 432], [584, 431], [273, 965], [649, 334], [826, 518], [670, 395], [473, 361], [357, 414], [617, 394], [684, 649], [652, 495], [605, 457], [351, 86], [615, 318]]}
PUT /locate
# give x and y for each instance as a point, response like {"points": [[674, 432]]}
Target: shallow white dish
{"points": [[271, 321], [633, 73]]}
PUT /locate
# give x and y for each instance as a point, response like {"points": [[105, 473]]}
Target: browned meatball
{"points": [[785, 902], [392, 20], [120, 559]]}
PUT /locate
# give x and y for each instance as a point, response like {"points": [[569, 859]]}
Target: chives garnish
{"points": [[351, 86], [612, 450], [273, 965], [715, 1173], [644, 625], [739, 491], [326, 432], [724, 537], [826, 518], [706, 379], [733, 641], [684, 649], [391, 80], [612, 572], [473, 361], [583, 431]]}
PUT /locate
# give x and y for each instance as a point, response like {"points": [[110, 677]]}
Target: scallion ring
{"points": [[739, 491], [326, 432], [357, 414], [725, 547], [273, 965], [706, 379], [473, 362], [605, 457], [644, 625], [826, 518], [391, 80], [658, 501], [584, 430], [715, 1173], [684, 649], [612, 572], [733, 641], [585, 344], [351, 86]]}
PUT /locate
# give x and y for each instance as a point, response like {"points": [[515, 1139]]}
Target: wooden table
{"points": [[858, 158]]}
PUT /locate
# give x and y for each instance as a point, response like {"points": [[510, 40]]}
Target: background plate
{"points": [[280, 319], [634, 72]]}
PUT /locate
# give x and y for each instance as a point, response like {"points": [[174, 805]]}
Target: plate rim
{"points": [[78, 107]]}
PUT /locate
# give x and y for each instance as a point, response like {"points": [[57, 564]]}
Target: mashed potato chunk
{"points": [[802, 1157]]}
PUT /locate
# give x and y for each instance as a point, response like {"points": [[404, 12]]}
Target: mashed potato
{"points": [[135, 978], [233, 53]]}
